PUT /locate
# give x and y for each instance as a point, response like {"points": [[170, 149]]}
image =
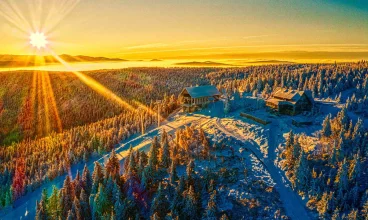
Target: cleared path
{"points": [[293, 205]]}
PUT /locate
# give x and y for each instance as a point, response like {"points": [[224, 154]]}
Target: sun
{"points": [[38, 40]]}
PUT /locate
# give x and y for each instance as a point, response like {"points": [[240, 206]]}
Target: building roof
{"points": [[291, 95], [279, 102], [202, 91]]}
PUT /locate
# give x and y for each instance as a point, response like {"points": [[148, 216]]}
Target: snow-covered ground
{"points": [[24, 208], [256, 145]]}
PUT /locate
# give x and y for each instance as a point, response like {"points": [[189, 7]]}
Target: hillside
{"points": [[61, 101], [335, 88], [35, 60]]}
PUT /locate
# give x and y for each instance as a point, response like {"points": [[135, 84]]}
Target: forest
{"points": [[80, 124], [334, 177], [168, 183]]}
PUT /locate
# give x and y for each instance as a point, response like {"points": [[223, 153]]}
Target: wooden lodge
{"points": [[194, 98], [290, 102]]}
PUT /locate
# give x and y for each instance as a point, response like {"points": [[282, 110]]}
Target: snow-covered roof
{"points": [[202, 91], [279, 102], [290, 95]]}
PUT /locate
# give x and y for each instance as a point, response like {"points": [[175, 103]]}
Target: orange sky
{"points": [[191, 29]]}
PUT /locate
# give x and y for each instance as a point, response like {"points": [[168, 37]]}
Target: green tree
{"points": [[160, 204]]}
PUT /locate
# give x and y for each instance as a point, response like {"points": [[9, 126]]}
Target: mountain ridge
{"points": [[8, 60]]}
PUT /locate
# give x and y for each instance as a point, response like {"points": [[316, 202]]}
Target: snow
{"points": [[256, 149]]}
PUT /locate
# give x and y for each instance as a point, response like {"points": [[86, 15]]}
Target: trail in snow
{"points": [[24, 208], [292, 203]]}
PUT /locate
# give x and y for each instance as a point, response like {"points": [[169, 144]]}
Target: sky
{"points": [[190, 29]]}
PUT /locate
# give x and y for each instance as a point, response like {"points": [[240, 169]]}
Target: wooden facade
{"points": [[195, 98], [290, 102]]}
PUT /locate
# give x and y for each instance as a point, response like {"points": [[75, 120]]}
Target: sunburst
{"points": [[38, 40]]}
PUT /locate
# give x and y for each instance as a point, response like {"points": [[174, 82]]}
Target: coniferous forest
{"points": [[146, 185]]}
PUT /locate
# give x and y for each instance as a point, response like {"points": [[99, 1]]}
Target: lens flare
{"points": [[38, 40]]}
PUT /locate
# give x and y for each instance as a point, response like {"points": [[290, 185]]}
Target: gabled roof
{"points": [[291, 95], [202, 91]]}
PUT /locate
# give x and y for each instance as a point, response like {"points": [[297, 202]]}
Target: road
{"points": [[24, 208], [293, 205]]}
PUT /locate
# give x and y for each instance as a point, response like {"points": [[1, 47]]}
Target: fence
{"points": [[251, 117]]}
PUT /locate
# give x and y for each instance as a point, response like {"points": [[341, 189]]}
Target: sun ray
{"points": [[63, 9], [13, 22], [96, 86], [50, 92], [13, 15], [149, 110], [45, 104], [38, 106], [33, 98]]}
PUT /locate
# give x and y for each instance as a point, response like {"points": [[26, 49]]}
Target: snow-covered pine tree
{"points": [[41, 212], [302, 173], [190, 209], [101, 203], [165, 156], [173, 174], [67, 196], [84, 203], [77, 210], [97, 177], [87, 180], [326, 126], [290, 139], [112, 166], [160, 204], [211, 209]]}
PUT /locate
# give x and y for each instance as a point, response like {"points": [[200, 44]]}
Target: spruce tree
{"points": [[45, 198], [290, 140], [211, 209], [160, 204], [342, 180], [190, 209], [119, 209], [54, 204], [112, 166], [66, 197], [302, 173], [97, 177], [87, 180], [84, 204], [41, 213], [326, 126], [296, 149], [127, 159], [176, 205], [165, 156], [153, 155], [77, 184], [101, 204], [77, 210], [173, 174]]}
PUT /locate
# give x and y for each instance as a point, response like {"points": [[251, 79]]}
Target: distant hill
{"points": [[206, 63], [33, 60], [155, 60], [270, 62]]}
